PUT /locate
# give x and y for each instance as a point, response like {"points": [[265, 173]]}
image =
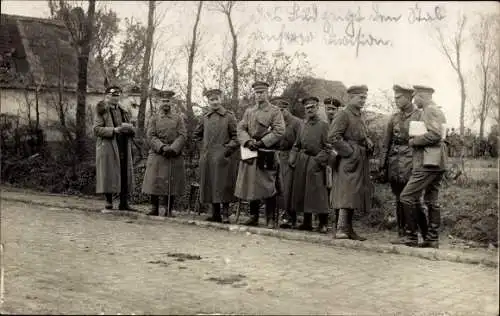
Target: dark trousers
{"points": [[397, 188], [427, 182], [270, 207]]}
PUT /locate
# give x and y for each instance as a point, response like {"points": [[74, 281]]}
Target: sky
{"points": [[374, 43]]}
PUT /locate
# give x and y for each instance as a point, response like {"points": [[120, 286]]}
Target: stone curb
{"points": [[429, 254]]}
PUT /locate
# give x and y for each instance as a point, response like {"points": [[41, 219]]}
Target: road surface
{"points": [[67, 262]]}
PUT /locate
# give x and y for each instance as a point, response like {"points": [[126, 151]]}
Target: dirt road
{"points": [[75, 262]]}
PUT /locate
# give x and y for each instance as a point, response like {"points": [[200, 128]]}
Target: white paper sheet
{"points": [[417, 128], [247, 153]]}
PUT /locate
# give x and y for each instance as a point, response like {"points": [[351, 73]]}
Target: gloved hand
{"points": [[260, 144], [251, 144], [228, 152], [410, 142], [168, 152]]}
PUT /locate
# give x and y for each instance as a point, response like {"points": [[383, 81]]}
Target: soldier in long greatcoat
{"points": [[309, 158], [260, 129], [429, 163], [114, 171], [165, 175], [397, 160], [332, 107], [218, 156], [292, 128], [352, 186]]}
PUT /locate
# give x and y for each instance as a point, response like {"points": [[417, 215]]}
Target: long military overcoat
{"points": [[165, 176], [108, 179], [310, 156], [260, 122], [217, 133], [292, 130], [397, 154], [352, 187]]}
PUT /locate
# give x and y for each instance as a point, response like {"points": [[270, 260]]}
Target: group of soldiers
{"points": [[310, 166], [469, 145]]}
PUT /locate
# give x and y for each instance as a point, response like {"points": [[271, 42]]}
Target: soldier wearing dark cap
{"points": [[397, 160], [165, 175], [309, 158], [429, 161], [261, 130], [114, 172], [332, 106], [218, 162], [292, 128], [352, 187]]}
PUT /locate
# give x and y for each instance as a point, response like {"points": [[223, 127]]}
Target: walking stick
{"points": [[168, 211]]}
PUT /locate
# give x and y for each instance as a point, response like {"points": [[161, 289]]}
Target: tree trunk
{"points": [[37, 109], [141, 117], [234, 62], [83, 61], [192, 52], [462, 103]]}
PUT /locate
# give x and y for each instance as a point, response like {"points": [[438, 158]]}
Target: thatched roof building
{"points": [[38, 52]]}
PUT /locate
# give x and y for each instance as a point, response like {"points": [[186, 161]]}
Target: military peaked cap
{"points": [[114, 90], [419, 88], [402, 88], [280, 101], [311, 98], [166, 94], [357, 89], [260, 85], [211, 92], [333, 101]]}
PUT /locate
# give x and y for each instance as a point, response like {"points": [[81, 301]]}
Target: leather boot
{"points": [[307, 222], [323, 223], [225, 213], [400, 218], [254, 214], [422, 221], [124, 206], [335, 221], [155, 206], [109, 201], [432, 237], [342, 231], [271, 212], [411, 236], [216, 216], [352, 233], [289, 220], [169, 206]]}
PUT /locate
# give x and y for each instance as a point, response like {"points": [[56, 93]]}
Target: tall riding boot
{"points": [[307, 222], [169, 206], [342, 231], [109, 201], [254, 214], [323, 223], [352, 233], [225, 213], [432, 238], [155, 205], [422, 221], [335, 221], [271, 220], [411, 236], [216, 216], [400, 218]]}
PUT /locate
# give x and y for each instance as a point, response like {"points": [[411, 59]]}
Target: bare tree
{"points": [[141, 117], [193, 47], [226, 7], [453, 52], [485, 36]]}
